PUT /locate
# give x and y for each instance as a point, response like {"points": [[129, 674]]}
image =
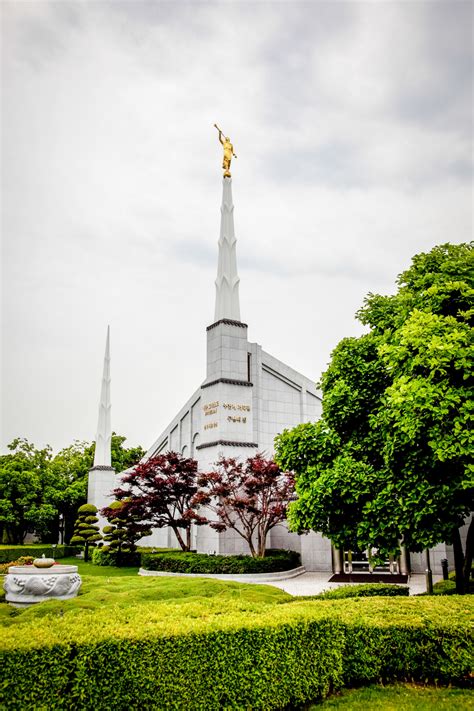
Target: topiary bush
{"points": [[125, 529], [86, 532], [368, 590], [200, 563], [206, 654]]}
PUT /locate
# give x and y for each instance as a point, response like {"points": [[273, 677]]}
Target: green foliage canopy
{"points": [[36, 487], [391, 458], [28, 491]]}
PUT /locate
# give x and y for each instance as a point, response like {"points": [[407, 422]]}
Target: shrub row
{"points": [[181, 562], [369, 590], [211, 654], [107, 556], [9, 553]]}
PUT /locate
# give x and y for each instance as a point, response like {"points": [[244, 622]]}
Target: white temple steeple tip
{"points": [[227, 282], [102, 457]]}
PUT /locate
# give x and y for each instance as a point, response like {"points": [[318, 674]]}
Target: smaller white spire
{"points": [[102, 457], [227, 282]]}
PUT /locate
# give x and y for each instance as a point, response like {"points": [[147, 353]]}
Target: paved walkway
{"points": [[314, 583]]}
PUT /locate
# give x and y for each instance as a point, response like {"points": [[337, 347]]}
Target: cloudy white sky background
{"points": [[353, 129]]}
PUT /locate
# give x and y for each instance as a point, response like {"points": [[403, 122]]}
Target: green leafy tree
{"points": [[28, 491], [391, 458], [123, 457], [37, 488], [86, 531], [71, 467]]}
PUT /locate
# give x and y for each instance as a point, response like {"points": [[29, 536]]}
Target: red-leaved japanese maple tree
{"points": [[161, 492], [250, 497]]}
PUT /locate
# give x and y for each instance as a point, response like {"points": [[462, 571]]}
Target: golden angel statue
{"points": [[228, 152]]}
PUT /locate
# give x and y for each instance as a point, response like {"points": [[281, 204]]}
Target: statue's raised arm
{"points": [[220, 133], [228, 152]]}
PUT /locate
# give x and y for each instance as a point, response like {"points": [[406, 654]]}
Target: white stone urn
{"points": [[26, 584]]}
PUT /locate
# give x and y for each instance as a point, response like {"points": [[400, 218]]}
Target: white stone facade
{"points": [[247, 398]]}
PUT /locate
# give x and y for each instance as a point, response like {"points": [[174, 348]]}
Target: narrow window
{"points": [[249, 361]]}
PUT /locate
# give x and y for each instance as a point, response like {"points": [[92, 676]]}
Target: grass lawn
{"points": [[400, 697], [122, 588], [103, 571]]}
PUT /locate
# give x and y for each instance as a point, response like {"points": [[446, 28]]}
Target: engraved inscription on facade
{"points": [[210, 406], [233, 406]]}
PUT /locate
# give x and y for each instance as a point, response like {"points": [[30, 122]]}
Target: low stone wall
{"points": [[243, 578]]}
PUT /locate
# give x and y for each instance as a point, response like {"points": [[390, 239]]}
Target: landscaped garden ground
{"points": [[132, 642], [399, 697]]}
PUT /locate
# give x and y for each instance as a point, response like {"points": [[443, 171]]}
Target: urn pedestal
{"points": [[26, 584]]}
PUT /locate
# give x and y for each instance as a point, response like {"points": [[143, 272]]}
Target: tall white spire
{"points": [[227, 282], [102, 457]]}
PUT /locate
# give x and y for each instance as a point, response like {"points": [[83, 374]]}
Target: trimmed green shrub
{"points": [[86, 535], [184, 562], [445, 587], [214, 654], [9, 553], [112, 557], [88, 509], [125, 529], [368, 590]]}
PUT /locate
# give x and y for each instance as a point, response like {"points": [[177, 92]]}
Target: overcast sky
{"points": [[353, 129]]}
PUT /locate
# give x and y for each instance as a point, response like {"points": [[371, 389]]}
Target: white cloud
{"points": [[352, 125]]}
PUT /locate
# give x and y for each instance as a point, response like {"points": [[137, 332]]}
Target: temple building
{"points": [[246, 398]]}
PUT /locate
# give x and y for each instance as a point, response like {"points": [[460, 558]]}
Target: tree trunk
{"points": [[469, 555], [458, 562], [262, 540], [180, 539], [188, 538], [252, 547], [86, 552]]}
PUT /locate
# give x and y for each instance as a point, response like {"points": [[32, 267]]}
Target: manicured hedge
{"points": [[368, 590], [214, 654], [180, 562], [10, 553], [106, 556]]}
